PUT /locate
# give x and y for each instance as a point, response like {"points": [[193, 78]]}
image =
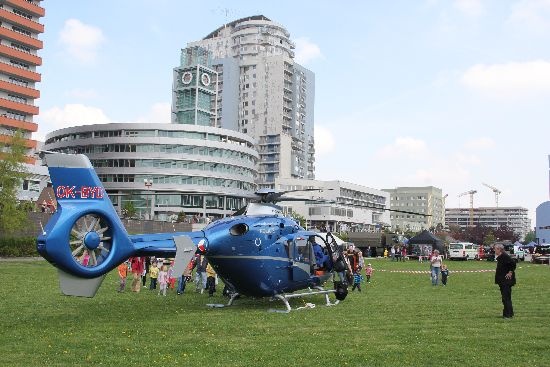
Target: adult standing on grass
{"points": [[505, 277], [436, 261]]}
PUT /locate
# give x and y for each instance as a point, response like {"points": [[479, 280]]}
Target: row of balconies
{"points": [[18, 106], [21, 38], [24, 91], [21, 72], [21, 21], [28, 6]]}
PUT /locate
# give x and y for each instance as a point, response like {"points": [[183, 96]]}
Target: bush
{"points": [[18, 247]]}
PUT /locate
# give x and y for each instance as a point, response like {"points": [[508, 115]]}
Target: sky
{"points": [[449, 93]]}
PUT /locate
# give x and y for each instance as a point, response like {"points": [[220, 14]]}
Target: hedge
{"points": [[18, 247]]}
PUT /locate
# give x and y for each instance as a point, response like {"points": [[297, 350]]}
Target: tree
{"points": [[529, 237], [476, 234], [12, 172], [128, 209], [489, 239], [506, 233], [300, 219], [181, 217]]}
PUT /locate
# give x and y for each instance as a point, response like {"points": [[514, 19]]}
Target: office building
{"points": [[348, 208], [542, 229], [164, 169], [19, 46], [257, 89], [516, 218], [427, 201]]}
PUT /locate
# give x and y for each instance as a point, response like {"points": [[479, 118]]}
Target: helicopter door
{"points": [[302, 259]]}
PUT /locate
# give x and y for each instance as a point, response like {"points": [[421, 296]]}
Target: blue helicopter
{"points": [[258, 252]]}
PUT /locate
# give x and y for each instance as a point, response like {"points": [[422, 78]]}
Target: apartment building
{"points": [[427, 201], [19, 45]]}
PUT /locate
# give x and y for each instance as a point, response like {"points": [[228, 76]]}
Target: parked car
{"points": [[517, 254], [463, 251], [541, 254]]}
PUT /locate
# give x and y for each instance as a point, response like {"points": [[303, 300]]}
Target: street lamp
{"points": [[148, 183]]}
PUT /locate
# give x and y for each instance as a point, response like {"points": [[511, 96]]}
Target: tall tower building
{"points": [[262, 92], [19, 45], [195, 89]]}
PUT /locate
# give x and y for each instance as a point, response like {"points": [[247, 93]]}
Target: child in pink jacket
{"points": [[163, 280]]}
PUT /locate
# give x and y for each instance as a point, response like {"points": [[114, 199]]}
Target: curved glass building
{"points": [[160, 170]]}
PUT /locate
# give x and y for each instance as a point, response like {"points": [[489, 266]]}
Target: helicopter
{"points": [[257, 252]]}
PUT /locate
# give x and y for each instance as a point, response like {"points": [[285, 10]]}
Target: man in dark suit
{"points": [[505, 277]]}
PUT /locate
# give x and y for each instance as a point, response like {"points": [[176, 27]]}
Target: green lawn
{"points": [[398, 320]]}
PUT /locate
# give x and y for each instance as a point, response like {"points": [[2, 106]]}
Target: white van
{"points": [[463, 251]]}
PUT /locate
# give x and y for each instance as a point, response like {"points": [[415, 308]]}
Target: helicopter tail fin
{"points": [[85, 237]]}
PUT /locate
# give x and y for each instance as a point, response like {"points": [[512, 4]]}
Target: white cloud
{"points": [[480, 144], [81, 41], [159, 113], [533, 14], [306, 51], [471, 8], [467, 159], [511, 80], [324, 141], [403, 147], [77, 114]]}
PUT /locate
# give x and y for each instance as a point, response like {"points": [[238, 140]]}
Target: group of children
{"points": [[358, 278], [163, 276]]}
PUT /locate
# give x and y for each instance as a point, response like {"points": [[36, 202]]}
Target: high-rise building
{"points": [[426, 201], [19, 45], [260, 91], [516, 218]]}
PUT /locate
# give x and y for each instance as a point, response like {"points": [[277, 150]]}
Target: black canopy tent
{"points": [[425, 238]]}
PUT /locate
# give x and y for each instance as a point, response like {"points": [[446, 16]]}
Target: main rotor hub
{"points": [[92, 240]]}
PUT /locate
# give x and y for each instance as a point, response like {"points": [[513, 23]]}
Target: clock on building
{"points": [[205, 79], [186, 77]]}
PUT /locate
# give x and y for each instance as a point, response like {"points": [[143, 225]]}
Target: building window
{"points": [[19, 64], [21, 30]]}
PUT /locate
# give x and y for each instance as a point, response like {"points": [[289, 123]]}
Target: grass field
{"points": [[398, 320]]}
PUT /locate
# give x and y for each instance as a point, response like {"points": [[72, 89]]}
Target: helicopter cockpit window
{"points": [[238, 229], [303, 250]]}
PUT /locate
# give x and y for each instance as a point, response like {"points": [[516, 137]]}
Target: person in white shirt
{"points": [[436, 261]]}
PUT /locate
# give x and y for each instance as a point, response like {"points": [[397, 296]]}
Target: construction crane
{"points": [[496, 191], [471, 193]]}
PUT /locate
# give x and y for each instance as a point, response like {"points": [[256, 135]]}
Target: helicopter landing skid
{"points": [[286, 297], [221, 305]]}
